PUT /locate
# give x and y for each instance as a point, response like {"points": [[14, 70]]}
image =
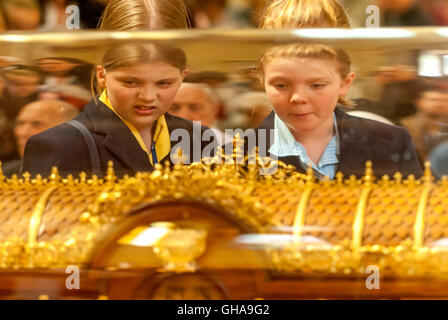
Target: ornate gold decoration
{"points": [[23, 214], [396, 223], [358, 224], [299, 220], [419, 225], [179, 249], [37, 216]]}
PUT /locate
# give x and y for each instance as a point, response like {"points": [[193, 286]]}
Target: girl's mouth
{"points": [[139, 107], [144, 110], [300, 115]]}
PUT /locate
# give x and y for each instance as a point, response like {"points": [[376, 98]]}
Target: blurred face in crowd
{"points": [[6, 61], [194, 103], [21, 85], [398, 73], [55, 65], [439, 10], [37, 117], [141, 93], [395, 5], [433, 103], [21, 18], [304, 91]]}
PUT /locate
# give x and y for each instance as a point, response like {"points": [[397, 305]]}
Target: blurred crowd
{"points": [[36, 96], [51, 14]]}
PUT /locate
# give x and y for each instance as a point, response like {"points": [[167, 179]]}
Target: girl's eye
{"points": [[130, 82], [164, 83], [318, 85], [195, 107], [280, 86]]}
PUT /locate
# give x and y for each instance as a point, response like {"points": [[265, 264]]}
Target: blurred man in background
{"points": [[35, 118], [429, 126], [198, 102], [21, 86], [21, 15]]}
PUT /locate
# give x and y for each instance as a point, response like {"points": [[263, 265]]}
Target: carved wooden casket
{"points": [[223, 232]]}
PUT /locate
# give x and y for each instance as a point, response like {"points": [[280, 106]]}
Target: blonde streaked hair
{"points": [[284, 14], [138, 15], [310, 50]]}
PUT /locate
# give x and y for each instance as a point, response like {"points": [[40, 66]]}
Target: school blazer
{"points": [[64, 146], [390, 148]]}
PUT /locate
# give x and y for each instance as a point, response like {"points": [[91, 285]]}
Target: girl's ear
{"points": [[346, 83], [184, 73], [101, 76]]}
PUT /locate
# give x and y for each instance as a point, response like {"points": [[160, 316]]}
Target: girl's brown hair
{"points": [[138, 15], [135, 53], [305, 50], [283, 14]]}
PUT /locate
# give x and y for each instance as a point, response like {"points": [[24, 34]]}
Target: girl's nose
{"points": [[297, 97], [147, 94]]}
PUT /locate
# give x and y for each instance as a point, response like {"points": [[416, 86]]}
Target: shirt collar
{"points": [[286, 145]]}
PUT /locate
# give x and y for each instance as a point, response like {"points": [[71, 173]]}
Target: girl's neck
{"points": [[316, 141], [147, 136]]}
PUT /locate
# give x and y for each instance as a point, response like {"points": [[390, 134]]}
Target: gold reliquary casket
{"points": [[208, 231]]}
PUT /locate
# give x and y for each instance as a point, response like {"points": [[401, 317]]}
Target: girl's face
{"points": [[304, 91], [56, 65], [140, 94]]}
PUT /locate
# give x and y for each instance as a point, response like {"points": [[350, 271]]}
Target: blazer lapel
{"points": [[124, 147], [354, 145], [267, 125], [118, 140]]}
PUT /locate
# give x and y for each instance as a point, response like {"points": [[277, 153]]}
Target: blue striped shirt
{"points": [[286, 145]]}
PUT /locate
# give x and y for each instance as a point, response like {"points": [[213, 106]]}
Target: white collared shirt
{"points": [[286, 145]]}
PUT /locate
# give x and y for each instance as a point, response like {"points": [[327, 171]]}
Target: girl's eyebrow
{"points": [[167, 79], [319, 79], [276, 78], [127, 77]]}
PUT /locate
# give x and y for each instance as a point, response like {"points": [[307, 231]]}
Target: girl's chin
{"points": [[301, 127], [303, 130], [141, 124]]}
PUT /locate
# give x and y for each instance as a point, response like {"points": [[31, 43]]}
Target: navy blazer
{"points": [[64, 146], [390, 148]]}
